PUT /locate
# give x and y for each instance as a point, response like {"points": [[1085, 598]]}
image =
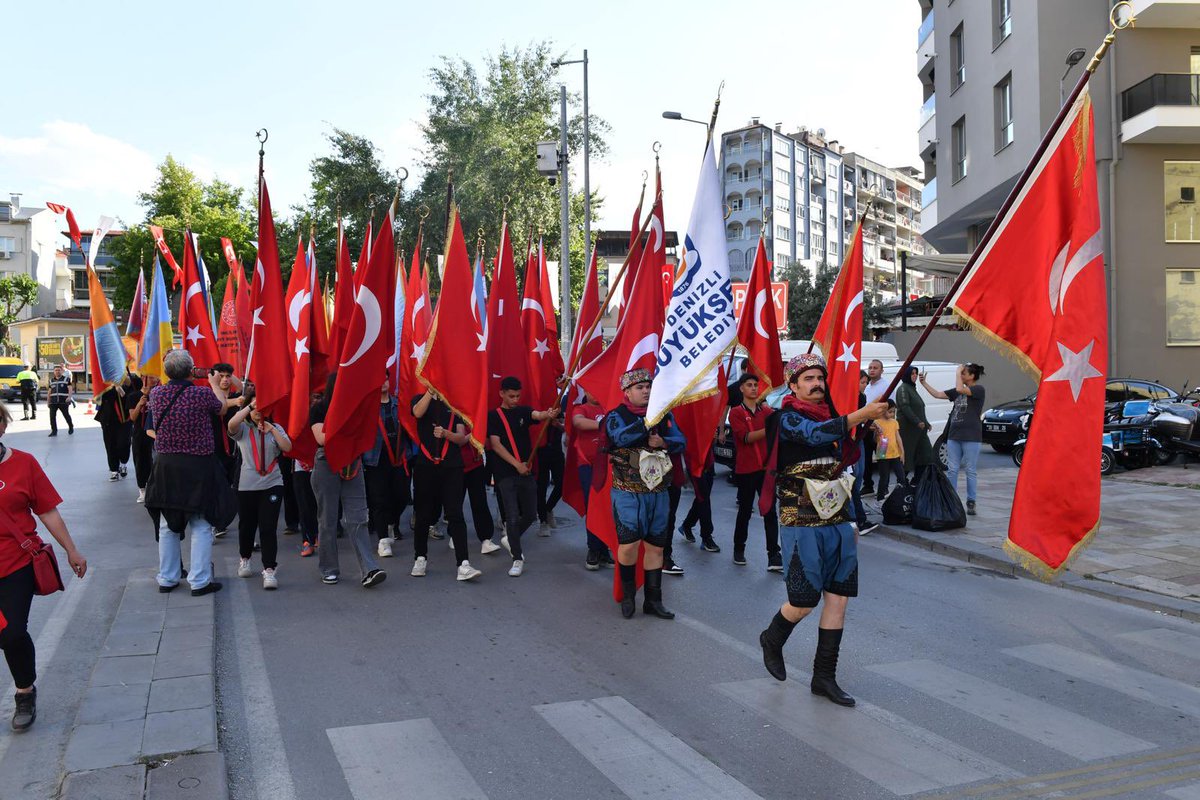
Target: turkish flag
{"points": [[413, 335], [761, 337], [634, 345], [343, 296], [229, 323], [506, 337], [634, 258], [353, 417], [655, 257], [698, 420], [589, 333], [268, 365], [456, 359], [194, 322], [159, 242], [318, 341], [364, 256], [244, 317], [839, 333], [302, 298], [1037, 291], [541, 343]]}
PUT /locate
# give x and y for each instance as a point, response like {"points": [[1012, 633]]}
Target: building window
{"points": [[818, 244], [1004, 113], [958, 148], [735, 204], [1183, 308], [1002, 16], [783, 260], [8, 244], [782, 175], [1180, 179], [958, 59], [783, 204], [1195, 62], [783, 233]]}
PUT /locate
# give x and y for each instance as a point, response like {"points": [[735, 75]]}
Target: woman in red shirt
{"points": [[24, 491]]}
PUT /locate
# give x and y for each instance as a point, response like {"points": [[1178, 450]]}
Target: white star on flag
{"points": [[194, 335], [541, 348], [847, 356], [1076, 368], [483, 337], [418, 352], [258, 316], [301, 347]]}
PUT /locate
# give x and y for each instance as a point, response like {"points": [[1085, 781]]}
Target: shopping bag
{"points": [[936, 506], [898, 507]]}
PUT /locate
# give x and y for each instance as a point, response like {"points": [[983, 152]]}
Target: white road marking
{"points": [[401, 759], [1181, 644]]}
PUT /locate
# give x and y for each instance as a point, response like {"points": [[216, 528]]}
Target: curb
{"points": [[991, 558]]}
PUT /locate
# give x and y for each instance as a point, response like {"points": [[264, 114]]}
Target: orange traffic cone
{"points": [[91, 410]]}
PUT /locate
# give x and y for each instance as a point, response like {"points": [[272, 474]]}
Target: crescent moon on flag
{"points": [[418, 306], [760, 300], [299, 302], [648, 345], [1062, 273], [528, 303], [372, 320], [193, 290], [260, 272], [855, 303], [656, 229]]}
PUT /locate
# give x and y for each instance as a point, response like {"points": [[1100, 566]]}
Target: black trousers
{"points": [[306, 503], [885, 469], [701, 510], [481, 515], [291, 509], [439, 491], [16, 595], [868, 445], [673, 494], [387, 495], [29, 402], [117, 440], [65, 409], [551, 463], [142, 450], [518, 499], [258, 511], [749, 487]]}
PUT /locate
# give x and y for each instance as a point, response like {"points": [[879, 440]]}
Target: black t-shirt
{"points": [[316, 414], [966, 417], [520, 419], [432, 448]]}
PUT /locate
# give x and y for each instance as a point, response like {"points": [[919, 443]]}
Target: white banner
{"points": [[700, 327], [103, 226]]}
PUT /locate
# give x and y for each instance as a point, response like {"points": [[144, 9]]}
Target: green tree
{"points": [[179, 200], [482, 129], [808, 293], [16, 292]]}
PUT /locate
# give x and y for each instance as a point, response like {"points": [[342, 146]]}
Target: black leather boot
{"points": [[628, 589], [824, 680], [653, 602], [772, 640]]}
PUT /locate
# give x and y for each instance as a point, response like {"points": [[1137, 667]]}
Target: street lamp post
{"points": [[587, 197], [564, 262], [1073, 58]]}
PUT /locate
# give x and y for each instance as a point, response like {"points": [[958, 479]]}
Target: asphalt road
{"points": [[970, 684]]}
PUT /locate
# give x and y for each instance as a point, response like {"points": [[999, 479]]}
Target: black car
{"points": [[1002, 424]]}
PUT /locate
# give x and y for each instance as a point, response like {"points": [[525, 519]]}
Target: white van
{"points": [[940, 374]]}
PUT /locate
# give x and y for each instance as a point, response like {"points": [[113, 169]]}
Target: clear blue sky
{"points": [[92, 104]]}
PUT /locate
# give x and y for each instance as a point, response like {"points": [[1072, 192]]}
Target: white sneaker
{"points": [[488, 546], [141, 496], [543, 529], [466, 572], [270, 582], [244, 570], [418, 570], [385, 548], [517, 568], [504, 544], [112, 476]]}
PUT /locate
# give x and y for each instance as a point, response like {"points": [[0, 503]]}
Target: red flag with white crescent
{"points": [[194, 323], [506, 337], [413, 336], [541, 344], [267, 363], [839, 334], [161, 243], [757, 331], [343, 296]]}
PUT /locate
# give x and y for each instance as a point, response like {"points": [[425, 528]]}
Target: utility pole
{"points": [[564, 266]]}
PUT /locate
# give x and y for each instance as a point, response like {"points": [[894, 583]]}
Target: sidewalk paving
{"points": [[1146, 553]]}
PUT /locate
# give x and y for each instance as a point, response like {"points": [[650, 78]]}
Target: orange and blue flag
{"points": [[109, 356], [157, 337]]}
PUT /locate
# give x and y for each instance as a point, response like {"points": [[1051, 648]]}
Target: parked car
{"points": [[1002, 423]]}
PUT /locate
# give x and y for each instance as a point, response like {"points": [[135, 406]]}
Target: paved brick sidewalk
{"points": [[1149, 538]]}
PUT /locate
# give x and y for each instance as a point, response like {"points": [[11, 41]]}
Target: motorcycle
{"points": [[1175, 426], [1128, 440]]}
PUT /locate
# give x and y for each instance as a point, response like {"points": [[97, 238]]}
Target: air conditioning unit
{"points": [[5, 254]]}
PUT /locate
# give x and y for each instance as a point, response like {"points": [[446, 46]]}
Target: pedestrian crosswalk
{"points": [[631, 748]]}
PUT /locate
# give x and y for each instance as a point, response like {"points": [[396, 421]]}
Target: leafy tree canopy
{"points": [[16, 292]]}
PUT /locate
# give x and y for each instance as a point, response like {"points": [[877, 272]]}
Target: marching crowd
{"points": [[203, 455]]}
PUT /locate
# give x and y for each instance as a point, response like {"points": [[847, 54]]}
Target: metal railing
{"points": [[1162, 89]]}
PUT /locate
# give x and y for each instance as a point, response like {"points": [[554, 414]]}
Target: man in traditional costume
{"points": [[811, 448]]}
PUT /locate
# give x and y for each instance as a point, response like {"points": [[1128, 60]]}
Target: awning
{"points": [[949, 264]]}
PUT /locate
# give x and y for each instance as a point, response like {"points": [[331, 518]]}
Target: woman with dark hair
{"points": [[347, 488], [260, 486], [914, 425], [964, 431], [112, 412], [142, 446], [27, 492]]}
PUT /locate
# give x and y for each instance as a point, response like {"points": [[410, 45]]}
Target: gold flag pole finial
{"points": [[1121, 17]]}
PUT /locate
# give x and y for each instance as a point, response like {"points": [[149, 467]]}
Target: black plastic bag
{"points": [[898, 507], [937, 507]]}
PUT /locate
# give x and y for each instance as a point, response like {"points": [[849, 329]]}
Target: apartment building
{"points": [[994, 73]]}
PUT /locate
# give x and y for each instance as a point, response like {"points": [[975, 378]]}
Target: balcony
{"points": [[926, 28], [1162, 109], [925, 53], [927, 127], [1166, 14]]}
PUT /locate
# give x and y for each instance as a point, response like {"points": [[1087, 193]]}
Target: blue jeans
{"points": [[965, 454], [200, 532]]}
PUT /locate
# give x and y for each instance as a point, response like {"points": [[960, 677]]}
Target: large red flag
{"points": [[302, 300], [761, 337], [839, 333], [353, 417], [343, 296], [506, 339], [229, 323], [589, 338], [318, 342], [245, 321], [541, 341], [413, 335], [364, 256], [194, 322], [296, 300], [456, 362], [1037, 291], [635, 256], [267, 363], [698, 420], [161, 243], [655, 257]]}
